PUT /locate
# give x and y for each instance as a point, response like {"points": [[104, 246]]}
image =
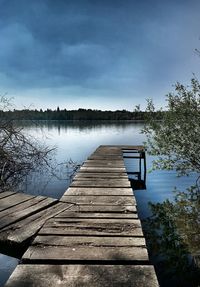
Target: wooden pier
{"points": [[94, 238]]}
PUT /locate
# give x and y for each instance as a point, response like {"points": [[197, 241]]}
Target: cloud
{"points": [[99, 48]]}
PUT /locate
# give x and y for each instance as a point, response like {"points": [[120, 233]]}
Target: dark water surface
{"points": [[76, 141]]}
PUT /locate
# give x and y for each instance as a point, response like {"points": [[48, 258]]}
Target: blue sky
{"points": [[99, 54]]}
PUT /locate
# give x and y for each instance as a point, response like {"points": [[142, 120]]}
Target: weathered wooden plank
{"points": [[111, 181], [20, 206], [100, 199], [13, 200], [6, 193], [60, 221], [98, 191], [121, 147], [104, 208], [100, 177], [111, 215], [94, 157], [98, 241], [101, 183], [103, 169], [25, 211], [83, 175], [117, 156], [82, 276], [105, 161], [108, 155], [109, 147], [91, 227], [103, 164], [22, 230], [134, 148], [50, 247], [45, 203], [104, 153], [108, 150], [87, 253]]}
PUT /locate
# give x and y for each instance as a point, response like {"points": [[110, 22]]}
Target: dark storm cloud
{"points": [[56, 42], [64, 40], [114, 45]]}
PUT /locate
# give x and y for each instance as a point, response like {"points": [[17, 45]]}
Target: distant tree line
{"points": [[80, 114]]}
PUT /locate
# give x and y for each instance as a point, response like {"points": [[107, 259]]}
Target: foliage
{"points": [[20, 154], [72, 115], [175, 138], [173, 233]]}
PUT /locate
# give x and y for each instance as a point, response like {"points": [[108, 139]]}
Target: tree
{"points": [[175, 139], [20, 154], [172, 230], [172, 233]]}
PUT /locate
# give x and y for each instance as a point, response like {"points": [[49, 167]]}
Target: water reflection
{"points": [[87, 127], [50, 182], [173, 238], [7, 265], [74, 140], [81, 125]]}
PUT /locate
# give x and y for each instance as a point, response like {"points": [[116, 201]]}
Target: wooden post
{"points": [[145, 167]]}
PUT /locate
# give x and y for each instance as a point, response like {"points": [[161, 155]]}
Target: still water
{"points": [[76, 141]]}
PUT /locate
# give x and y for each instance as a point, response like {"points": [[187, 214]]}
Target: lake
{"points": [[76, 141]]}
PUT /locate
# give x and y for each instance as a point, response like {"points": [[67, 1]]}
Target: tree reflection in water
{"points": [[173, 239]]}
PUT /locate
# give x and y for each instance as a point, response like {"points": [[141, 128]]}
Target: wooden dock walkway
{"points": [[97, 239]]}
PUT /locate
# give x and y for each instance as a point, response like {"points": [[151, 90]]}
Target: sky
{"points": [[99, 54]]}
